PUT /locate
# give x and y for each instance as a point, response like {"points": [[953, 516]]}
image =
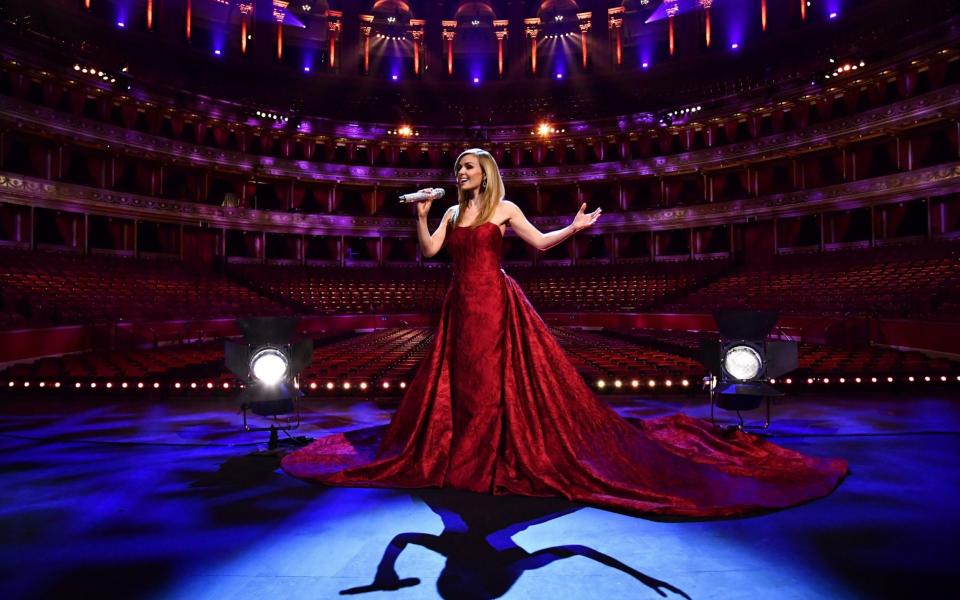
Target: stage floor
{"points": [[145, 499]]}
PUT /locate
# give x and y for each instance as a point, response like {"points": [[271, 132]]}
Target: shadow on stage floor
{"points": [[137, 499]]}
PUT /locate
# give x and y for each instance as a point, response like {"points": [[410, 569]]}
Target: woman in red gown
{"points": [[496, 406]]}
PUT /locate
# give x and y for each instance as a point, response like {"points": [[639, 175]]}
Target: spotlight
{"points": [[121, 24], [833, 15], [476, 80], [742, 360], [269, 362], [645, 65], [734, 46], [268, 365]]}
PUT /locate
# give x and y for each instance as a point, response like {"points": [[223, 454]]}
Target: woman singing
{"points": [[497, 407]]}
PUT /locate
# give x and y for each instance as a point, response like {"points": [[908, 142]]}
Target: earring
{"points": [[483, 184]]}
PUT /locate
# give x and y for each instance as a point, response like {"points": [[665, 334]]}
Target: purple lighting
{"points": [[734, 46], [393, 77], [476, 80], [559, 75], [306, 69], [217, 52], [833, 15], [645, 65], [121, 24]]}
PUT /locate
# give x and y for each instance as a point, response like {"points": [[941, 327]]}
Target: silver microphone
{"points": [[437, 193]]}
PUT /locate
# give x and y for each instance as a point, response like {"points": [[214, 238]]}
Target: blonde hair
{"points": [[491, 192]]}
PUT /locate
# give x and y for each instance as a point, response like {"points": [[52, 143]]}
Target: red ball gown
{"points": [[497, 407]]}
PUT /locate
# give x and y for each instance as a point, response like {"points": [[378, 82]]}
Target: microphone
{"points": [[420, 196]]}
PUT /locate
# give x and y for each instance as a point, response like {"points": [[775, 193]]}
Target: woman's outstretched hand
{"points": [[584, 219]]}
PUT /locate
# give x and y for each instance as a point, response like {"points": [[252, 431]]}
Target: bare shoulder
{"points": [[508, 209]]}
